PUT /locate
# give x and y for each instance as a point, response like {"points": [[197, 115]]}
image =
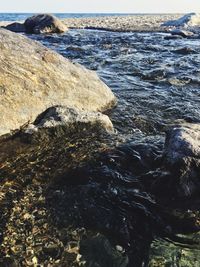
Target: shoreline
{"points": [[131, 23], [80, 187], [126, 23]]}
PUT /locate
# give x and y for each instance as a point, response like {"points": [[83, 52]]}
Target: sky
{"points": [[100, 6]]}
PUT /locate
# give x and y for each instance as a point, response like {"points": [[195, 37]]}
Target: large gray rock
{"points": [[33, 78], [44, 23], [182, 157]]}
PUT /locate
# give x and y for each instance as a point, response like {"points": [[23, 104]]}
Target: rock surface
{"points": [[15, 27], [125, 23], [182, 33], [172, 37], [188, 20], [44, 23], [183, 141], [33, 78], [64, 116], [182, 156], [184, 51]]}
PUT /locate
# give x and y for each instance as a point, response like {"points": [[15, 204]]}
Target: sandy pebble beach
{"points": [[136, 23], [140, 23]]}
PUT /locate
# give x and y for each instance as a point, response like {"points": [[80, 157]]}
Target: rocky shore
{"points": [[126, 23], [139, 23], [38, 78], [73, 191]]}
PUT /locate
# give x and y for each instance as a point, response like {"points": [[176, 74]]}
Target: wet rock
{"points": [[182, 33], [15, 27], [182, 157], [182, 141], [33, 78], [44, 23], [68, 117], [173, 37], [154, 74], [179, 81], [184, 51]]}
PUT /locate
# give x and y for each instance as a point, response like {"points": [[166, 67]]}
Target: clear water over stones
{"points": [[156, 80], [155, 84]]}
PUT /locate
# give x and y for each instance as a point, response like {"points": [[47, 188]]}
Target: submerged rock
{"points": [[155, 74], [182, 33], [182, 157], [79, 178], [172, 37], [44, 23], [97, 251], [33, 78], [184, 51], [188, 20]]}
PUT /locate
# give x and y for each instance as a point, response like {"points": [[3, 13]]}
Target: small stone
{"points": [[35, 260], [27, 216], [119, 248]]}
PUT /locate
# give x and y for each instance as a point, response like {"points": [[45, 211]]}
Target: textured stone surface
{"points": [[34, 78], [126, 23], [64, 116], [182, 157], [15, 27], [183, 141], [182, 33], [44, 23]]}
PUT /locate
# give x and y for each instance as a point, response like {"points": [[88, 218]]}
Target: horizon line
{"points": [[46, 12]]}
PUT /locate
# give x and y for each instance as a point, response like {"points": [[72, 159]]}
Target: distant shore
{"points": [[126, 23]]}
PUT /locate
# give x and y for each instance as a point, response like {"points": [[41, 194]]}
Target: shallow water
{"points": [[106, 184], [155, 82], [168, 254]]}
